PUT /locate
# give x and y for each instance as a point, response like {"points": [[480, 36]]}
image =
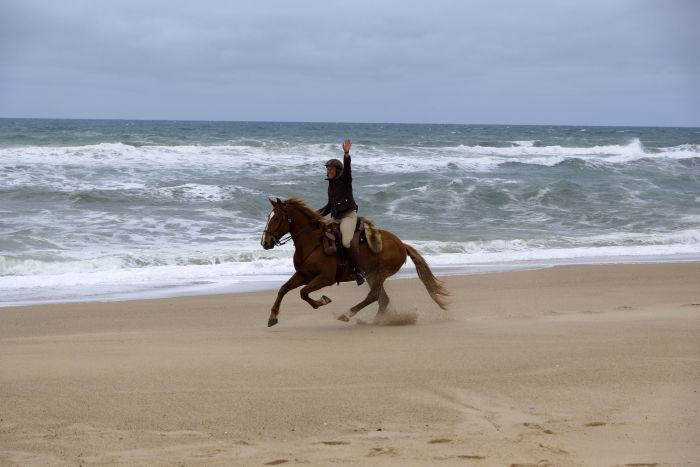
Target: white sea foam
{"points": [[302, 158], [112, 218], [650, 253], [199, 192], [486, 158], [150, 272], [513, 254]]}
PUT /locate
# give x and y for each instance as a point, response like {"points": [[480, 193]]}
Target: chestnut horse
{"points": [[316, 270]]}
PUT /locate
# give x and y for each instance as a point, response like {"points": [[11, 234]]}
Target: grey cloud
{"points": [[500, 62]]}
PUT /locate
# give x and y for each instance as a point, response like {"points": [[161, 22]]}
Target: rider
{"points": [[341, 205]]}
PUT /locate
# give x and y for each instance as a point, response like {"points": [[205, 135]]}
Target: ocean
{"points": [[117, 209]]}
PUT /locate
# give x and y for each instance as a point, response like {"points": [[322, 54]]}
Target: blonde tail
{"points": [[435, 287]]}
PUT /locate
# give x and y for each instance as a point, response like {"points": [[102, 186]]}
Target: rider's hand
{"points": [[346, 146]]}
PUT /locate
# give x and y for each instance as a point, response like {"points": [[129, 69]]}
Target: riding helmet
{"points": [[335, 163]]}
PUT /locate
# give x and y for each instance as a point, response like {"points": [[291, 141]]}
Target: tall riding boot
{"points": [[359, 273]]}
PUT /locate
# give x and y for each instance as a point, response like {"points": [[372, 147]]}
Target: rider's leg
{"points": [[347, 230]]}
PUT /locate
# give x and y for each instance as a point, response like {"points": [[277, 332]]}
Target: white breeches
{"points": [[347, 227]]}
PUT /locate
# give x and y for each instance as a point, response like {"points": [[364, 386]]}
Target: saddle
{"points": [[332, 246]]}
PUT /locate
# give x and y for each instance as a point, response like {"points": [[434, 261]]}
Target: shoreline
{"points": [[261, 283], [572, 365]]}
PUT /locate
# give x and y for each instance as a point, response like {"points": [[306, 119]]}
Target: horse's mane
{"points": [[300, 204]]}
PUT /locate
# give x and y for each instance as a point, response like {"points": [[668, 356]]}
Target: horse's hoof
{"points": [[344, 318], [271, 322], [325, 300]]}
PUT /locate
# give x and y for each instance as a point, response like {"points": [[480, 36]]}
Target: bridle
{"points": [[283, 240], [280, 241]]}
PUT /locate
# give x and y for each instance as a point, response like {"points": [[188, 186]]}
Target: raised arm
{"points": [[347, 173]]}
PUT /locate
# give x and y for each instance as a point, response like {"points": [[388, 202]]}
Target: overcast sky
{"points": [[598, 62]]}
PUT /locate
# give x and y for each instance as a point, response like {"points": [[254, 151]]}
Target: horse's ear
{"points": [[279, 202], [272, 202]]}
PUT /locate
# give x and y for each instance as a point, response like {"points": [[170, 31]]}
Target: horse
{"points": [[381, 257]]}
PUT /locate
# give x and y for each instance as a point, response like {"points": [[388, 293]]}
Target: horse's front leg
{"points": [[295, 281], [315, 284]]}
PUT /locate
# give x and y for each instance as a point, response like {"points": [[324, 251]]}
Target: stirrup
{"points": [[360, 278]]}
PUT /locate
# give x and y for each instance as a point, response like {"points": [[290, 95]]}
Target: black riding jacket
{"points": [[340, 199]]}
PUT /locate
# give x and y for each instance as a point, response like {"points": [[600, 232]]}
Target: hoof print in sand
{"points": [[334, 443], [553, 449], [277, 462], [535, 426], [591, 424], [542, 463], [439, 441], [383, 452]]}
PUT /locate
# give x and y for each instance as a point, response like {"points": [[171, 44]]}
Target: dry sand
{"points": [[585, 365]]}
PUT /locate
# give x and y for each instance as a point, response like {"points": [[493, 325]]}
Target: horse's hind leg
{"points": [[372, 297], [383, 300]]}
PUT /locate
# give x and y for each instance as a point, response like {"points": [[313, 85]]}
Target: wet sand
{"points": [[578, 365]]}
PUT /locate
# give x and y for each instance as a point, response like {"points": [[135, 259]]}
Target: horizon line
{"points": [[346, 122]]}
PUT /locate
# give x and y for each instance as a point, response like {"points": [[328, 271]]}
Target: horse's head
{"points": [[277, 225]]}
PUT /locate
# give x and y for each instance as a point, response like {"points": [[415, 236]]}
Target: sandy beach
{"points": [[576, 365]]}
